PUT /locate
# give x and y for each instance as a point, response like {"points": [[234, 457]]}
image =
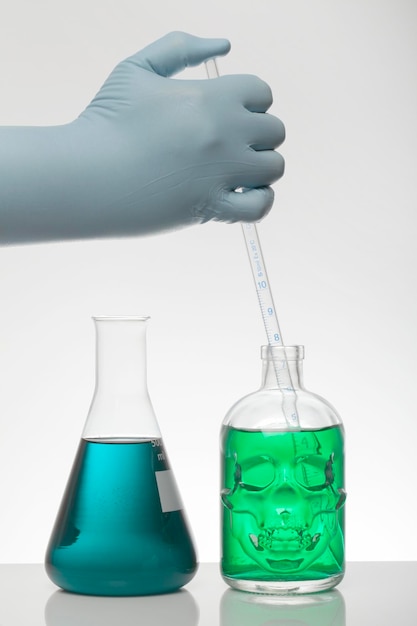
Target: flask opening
{"points": [[282, 353]]}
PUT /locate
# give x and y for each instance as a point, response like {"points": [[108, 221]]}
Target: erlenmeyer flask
{"points": [[121, 529]]}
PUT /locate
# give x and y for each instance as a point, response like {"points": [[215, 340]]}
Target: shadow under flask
{"points": [[121, 529], [283, 490]]}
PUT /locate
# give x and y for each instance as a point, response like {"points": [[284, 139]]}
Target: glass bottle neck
{"points": [[282, 366]]}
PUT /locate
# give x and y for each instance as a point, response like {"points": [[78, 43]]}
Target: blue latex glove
{"points": [[150, 153]]}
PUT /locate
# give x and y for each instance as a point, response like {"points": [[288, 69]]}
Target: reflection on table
{"points": [[244, 609], [67, 609], [236, 608], [371, 594]]}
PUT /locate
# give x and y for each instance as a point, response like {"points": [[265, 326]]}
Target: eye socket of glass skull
{"points": [[314, 473], [257, 473], [311, 472]]}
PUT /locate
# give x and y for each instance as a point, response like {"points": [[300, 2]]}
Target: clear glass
{"points": [[121, 529], [283, 489]]}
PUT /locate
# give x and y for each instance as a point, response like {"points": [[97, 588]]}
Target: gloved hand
{"points": [[150, 153]]}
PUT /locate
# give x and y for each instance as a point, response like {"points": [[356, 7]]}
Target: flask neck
{"points": [[121, 355], [121, 407], [282, 363]]}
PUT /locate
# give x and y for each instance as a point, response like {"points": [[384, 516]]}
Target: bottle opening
{"points": [[282, 353]]}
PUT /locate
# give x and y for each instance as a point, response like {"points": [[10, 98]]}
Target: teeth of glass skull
{"points": [[271, 538]]}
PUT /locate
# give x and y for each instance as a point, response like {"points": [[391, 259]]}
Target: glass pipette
{"points": [[266, 304]]}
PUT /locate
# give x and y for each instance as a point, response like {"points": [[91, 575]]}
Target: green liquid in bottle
{"points": [[283, 496], [120, 530]]}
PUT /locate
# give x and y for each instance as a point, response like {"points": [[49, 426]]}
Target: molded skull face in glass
{"points": [[283, 492]]}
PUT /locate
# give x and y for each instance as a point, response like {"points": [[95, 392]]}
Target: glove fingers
{"points": [[251, 205], [252, 92], [264, 131], [258, 169], [176, 51]]}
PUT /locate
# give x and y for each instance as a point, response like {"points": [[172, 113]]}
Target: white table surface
{"points": [[380, 594]]}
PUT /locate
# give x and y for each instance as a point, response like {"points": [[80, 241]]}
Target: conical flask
{"points": [[121, 529]]}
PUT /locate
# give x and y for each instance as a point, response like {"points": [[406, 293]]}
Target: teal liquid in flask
{"points": [[283, 489], [121, 529]]}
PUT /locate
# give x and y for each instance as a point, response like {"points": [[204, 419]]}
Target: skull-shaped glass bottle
{"points": [[283, 489]]}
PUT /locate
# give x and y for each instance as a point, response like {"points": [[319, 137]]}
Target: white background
{"points": [[339, 245]]}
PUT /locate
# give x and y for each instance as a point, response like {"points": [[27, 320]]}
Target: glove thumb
{"points": [[176, 51], [250, 205]]}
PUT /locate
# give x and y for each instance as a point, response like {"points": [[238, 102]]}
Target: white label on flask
{"points": [[168, 491]]}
